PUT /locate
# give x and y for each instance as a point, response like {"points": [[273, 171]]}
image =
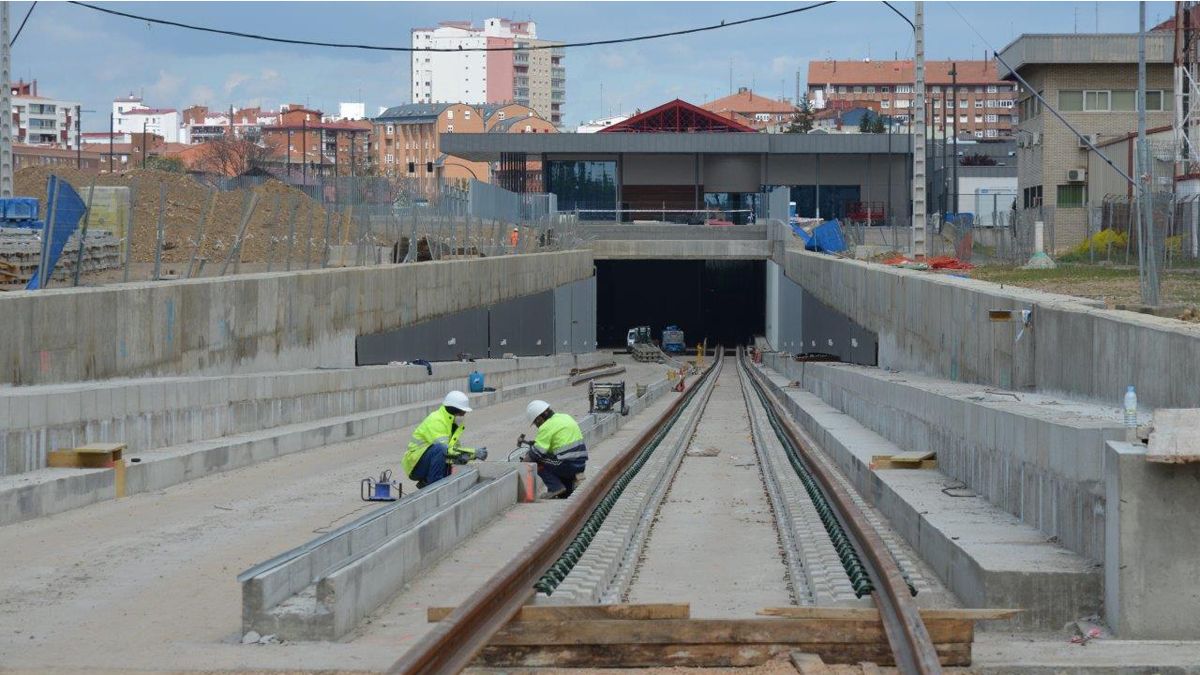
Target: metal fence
{"points": [[1113, 230]]}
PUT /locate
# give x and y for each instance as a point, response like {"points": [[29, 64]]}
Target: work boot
{"points": [[553, 494]]}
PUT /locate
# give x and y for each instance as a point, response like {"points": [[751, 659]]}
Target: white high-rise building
{"points": [[533, 78]]}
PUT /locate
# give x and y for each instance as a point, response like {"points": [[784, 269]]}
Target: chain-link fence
{"points": [[377, 219], [1113, 230]]}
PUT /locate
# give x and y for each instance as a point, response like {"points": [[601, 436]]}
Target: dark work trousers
{"points": [[562, 475], [432, 466]]}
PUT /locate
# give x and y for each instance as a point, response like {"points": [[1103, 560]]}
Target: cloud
{"points": [[166, 87]]}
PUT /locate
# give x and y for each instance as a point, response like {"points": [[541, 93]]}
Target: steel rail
{"points": [[907, 636], [456, 640]]}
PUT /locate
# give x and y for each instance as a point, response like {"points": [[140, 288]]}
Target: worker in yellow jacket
{"points": [[434, 445], [558, 449]]}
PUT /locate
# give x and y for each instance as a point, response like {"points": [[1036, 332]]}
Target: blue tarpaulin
{"points": [[825, 238], [67, 209]]}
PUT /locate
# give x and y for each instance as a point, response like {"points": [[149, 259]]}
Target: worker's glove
{"points": [[481, 454], [521, 440], [458, 458]]}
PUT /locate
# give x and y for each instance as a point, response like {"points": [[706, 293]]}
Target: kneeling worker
{"points": [[434, 445], [558, 449]]}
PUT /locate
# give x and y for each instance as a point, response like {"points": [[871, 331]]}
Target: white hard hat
{"points": [[457, 399], [534, 409]]}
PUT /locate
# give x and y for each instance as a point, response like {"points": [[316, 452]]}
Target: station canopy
{"points": [[677, 116]]}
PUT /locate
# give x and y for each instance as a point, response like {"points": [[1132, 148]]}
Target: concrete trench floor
{"points": [[149, 582], [714, 543]]}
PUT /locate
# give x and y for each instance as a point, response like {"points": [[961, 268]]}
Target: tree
{"points": [[232, 156], [170, 164], [877, 126], [865, 124], [802, 119]]}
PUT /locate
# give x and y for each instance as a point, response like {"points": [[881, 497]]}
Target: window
{"points": [[992, 119], [1071, 196], [991, 89], [500, 114], [1031, 107], [449, 128], [528, 128], [870, 89], [1032, 196], [991, 133], [937, 105], [466, 114], [1154, 101], [1005, 104], [936, 90], [949, 119], [991, 103], [391, 130], [858, 90], [903, 89], [979, 119], [978, 90], [885, 89], [979, 103], [885, 104], [1097, 100], [391, 159], [762, 117], [962, 119], [449, 114], [841, 90], [978, 134], [903, 103]]}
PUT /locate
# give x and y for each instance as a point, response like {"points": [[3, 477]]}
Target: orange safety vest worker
{"points": [[513, 237]]}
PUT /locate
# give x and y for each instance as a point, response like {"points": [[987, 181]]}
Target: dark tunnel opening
{"points": [[721, 300]]}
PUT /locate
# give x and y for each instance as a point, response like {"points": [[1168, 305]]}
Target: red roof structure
{"points": [[677, 116]]}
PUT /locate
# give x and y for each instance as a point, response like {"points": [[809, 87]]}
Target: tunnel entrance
{"points": [[722, 300]]}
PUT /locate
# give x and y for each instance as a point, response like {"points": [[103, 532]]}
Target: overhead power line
{"points": [[22, 26], [386, 48]]}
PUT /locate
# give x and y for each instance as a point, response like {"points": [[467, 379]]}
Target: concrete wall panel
{"points": [[252, 322], [523, 326], [659, 170], [939, 325]]}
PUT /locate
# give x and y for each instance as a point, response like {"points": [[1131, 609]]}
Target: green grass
{"points": [[1116, 285]]}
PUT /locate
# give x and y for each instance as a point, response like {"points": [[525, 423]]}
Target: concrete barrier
{"points": [[321, 590], [48, 491], [1040, 459], [154, 413], [987, 557], [251, 322], [939, 325]]}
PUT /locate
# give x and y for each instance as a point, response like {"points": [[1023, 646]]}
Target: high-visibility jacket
{"points": [[561, 438], [513, 238], [438, 427]]}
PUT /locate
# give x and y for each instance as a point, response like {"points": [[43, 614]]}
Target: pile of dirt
{"points": [[184, 198]]}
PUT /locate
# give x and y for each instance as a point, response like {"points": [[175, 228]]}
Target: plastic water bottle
{"points": [[1131, 414]]}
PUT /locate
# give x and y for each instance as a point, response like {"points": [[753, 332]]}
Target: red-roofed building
{"points": [[753, 110], [303, 143], [677, 116], [985, 103]]}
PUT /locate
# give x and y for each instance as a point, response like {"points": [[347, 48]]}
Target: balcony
{"points": [[557, 96], [558, 71], [520, 58]]}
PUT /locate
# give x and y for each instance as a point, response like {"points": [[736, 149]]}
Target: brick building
{"points": [[754, 110], [1092, 80], [40, 155], [301, 142], [407, 138], [985, 102]]}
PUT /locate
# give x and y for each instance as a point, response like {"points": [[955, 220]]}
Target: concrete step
{"points": [[986, 556], [47, 491]]}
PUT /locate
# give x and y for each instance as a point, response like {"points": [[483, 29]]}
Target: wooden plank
{"points": [[879, 462], [102, 447], [585, 612], [722, 655], [912, 456], [870, 613], [716, 631]]}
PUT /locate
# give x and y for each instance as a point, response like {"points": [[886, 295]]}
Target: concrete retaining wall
{"points": [[252, 322], [938, 324], [152, 413], [1041, 463]]}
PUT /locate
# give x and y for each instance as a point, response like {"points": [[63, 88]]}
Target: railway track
{"points": [[591, 552]]}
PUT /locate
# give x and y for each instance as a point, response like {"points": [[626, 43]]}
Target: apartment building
{"points": [[534, 76], [1091, 79], [38, 120], [969, 97], [302, 142], [131, 115], [199, 124]]}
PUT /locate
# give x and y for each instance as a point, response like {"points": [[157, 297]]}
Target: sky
{"points": [[78, 54]]}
